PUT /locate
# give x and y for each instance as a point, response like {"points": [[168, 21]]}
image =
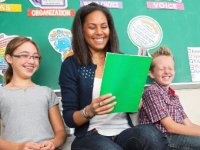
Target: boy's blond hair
{"points": [[162, 51]]}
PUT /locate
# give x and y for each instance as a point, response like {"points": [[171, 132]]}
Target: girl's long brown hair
{"points": [[11, 47]]}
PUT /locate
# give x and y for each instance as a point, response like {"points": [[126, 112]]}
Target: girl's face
{"points": [[96, 31], [24, 60]]}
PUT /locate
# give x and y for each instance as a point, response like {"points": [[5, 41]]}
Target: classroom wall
{"points": [[180, 31], [190, 99]]}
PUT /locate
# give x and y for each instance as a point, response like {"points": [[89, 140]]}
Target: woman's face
{"points": [[96, 31]]}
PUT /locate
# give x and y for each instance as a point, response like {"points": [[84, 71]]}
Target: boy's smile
{"points": [[163, 71]]}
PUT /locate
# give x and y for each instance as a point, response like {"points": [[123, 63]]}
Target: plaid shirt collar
{"points": [[164, 89]]}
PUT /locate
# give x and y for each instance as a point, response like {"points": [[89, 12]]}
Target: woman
{"points": [[80, 80], [29, 112]]}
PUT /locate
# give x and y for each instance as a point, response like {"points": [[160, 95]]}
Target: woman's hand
{"points": [[47, 145], [101, 105]]}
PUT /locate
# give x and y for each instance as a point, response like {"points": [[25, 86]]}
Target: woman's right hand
{"points": [[101, 105]]}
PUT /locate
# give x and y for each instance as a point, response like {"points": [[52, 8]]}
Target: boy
{"points": [[161, 106]]}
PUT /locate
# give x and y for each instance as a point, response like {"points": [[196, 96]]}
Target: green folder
{"points": [[125, 77]]}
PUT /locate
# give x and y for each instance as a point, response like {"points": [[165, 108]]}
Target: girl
{"points": [[29, 112]]}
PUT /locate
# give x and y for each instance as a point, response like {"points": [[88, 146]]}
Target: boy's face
{"points": [[163, 71]]}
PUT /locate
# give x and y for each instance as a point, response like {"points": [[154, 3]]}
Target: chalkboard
{"points": [[181, 29]]}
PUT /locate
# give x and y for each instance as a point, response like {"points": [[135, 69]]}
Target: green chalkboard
{"points": [[180, 30], [38, 28]]}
